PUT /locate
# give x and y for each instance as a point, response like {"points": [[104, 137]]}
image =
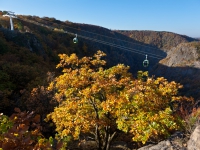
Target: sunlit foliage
{"points": [[103, 101]]}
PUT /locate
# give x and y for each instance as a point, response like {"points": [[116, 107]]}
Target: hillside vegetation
{"points": [[118, 47], [163, 40], [58, 94]]}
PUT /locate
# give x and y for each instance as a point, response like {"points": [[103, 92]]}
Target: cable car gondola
{"points": [[75, 40], [146, 62]]}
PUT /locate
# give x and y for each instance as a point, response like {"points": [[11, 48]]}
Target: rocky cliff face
{"points": [[26, 40], [182, 64], [185, 54]]}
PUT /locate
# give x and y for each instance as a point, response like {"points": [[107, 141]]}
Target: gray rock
{"points": [[194, 141], [146, 147], [88, 145], [163, 145]]}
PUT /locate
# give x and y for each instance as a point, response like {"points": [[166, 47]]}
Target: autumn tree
{"points": [[40, 97], [103, 102], [22, 131]]}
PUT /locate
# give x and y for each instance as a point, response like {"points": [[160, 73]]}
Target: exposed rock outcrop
{"points": [[183, 55], [27, 40], [164, 145], [177, 142], [194, 142], [182, 65]]}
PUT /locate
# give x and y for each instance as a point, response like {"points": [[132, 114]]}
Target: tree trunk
{"points": [[108, 137], [98, 138], [105, 140]]}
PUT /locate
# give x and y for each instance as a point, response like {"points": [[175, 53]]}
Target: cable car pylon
{"points": [[11, 15]]}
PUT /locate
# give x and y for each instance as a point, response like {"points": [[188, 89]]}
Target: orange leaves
{"points": [[74, 62], [151, 110], [97, 61], [17, 110], [36, 119], [87, 94], [24, 133], [66, 60], [91, 96]]}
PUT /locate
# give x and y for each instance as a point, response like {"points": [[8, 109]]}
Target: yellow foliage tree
{"points": [[104, 101]]}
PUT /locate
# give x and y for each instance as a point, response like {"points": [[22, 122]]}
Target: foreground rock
{"points": [[177, 142], [194, 142]]}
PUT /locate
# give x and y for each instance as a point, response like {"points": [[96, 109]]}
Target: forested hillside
{"points": [[98, 88], [163, 40], [35, 43]]}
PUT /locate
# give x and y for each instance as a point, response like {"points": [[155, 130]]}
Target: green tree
{"points": [[103, 102]]}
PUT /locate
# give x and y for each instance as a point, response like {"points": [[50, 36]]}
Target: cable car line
{"points": [[117, 46], [99, 41], [122, 47], [106, 36], [112, 45], [114, 38]]}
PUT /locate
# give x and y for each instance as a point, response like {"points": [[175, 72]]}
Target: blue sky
{"points": [[178, 16]]}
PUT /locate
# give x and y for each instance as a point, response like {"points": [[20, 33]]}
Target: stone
{"points": [[146, 147], [194, 141], [163, 145]]}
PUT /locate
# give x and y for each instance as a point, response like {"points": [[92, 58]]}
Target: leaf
{"points": [[8, 145], [36, 119], [22, 128], [92, 98], [59, 145], [17, 110]]}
